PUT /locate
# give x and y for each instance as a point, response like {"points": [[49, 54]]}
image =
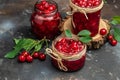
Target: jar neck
{"points": [[45, 11], [42, 13]]}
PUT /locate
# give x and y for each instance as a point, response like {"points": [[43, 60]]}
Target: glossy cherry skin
{"points": [[110, 37], [113, 42], [35, 55], [29, 58], [103, 31], [21, 58], [24, 53], [42, 56]]}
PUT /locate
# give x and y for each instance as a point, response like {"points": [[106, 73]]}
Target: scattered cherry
{"points": [[29, 58], [21, 58], [103, 31], [42, 56], [113, 42], [110, 37], [35, 55], [24, 53]]}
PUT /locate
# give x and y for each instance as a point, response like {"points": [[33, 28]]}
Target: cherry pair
{"points": [[111, 40]]}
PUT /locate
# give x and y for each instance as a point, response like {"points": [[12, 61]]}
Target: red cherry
{"points": [[21, 58], [51, 7], [29, 58], [110, 37], [103, 31], [43, 2], [42, 56], [35, 55], [113, 42], [25, 53]]}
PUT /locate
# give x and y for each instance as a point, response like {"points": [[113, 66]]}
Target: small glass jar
{"points": [[82, 19], [45, 19], [68, 56]]}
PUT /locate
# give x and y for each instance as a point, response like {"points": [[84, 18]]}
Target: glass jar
{"points": [[68, 54], [45, 19], [87, 17]]}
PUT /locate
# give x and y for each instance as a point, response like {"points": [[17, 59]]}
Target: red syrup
{"points": [[81, 22], [70, 47], [45, 19]]}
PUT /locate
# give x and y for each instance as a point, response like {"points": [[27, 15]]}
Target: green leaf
{"points": [[21, 44], [12, 53], [85, 39], [115, 20], [117, 34], [16, 40], [68, 33], [38, 47], [84, 33]]}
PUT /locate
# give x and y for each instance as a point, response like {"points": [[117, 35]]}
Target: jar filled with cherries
{"points": [[86, 15], [45, 19]]}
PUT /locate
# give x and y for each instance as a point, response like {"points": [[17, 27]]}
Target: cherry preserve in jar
{"points": [[86, 15], [45, 19], [68, 54]]}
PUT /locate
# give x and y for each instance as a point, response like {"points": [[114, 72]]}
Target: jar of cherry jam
{"points": [[86, 15], [45, 19], [68, 54]]}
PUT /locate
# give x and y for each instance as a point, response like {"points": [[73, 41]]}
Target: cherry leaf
{"points": [[115, 20], [117, 34], [84, 33], [16, 40], [85, 39], [68, 33]]}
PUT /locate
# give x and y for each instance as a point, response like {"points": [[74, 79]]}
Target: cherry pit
{"points": [[26, 57]]}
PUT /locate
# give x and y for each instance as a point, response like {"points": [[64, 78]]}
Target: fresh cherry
{"points": [[42, 56], [29, 58], [110, 37], [103, 31], [113, 42], [35, 55], [24, 53], [21, 58]]}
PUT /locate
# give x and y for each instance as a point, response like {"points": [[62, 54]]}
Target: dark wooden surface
{"points": [[101, 64]]}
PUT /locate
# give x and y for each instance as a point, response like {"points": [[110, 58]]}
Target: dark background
{"points": [[101, 64]]}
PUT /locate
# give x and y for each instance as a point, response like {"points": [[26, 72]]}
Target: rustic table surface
{"points": [[101, 64]]}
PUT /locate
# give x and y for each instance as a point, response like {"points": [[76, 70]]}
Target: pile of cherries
{"points": [[87, 3], [25, 56], [69, 46], [45, 6]]}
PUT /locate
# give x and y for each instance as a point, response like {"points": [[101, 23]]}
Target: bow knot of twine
{"points": [[59, 57]]}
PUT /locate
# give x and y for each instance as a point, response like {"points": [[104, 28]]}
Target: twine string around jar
{"points": [[58, 56], [85, 10]]}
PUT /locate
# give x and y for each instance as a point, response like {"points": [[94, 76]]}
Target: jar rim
{"points": [[42, 11]]}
